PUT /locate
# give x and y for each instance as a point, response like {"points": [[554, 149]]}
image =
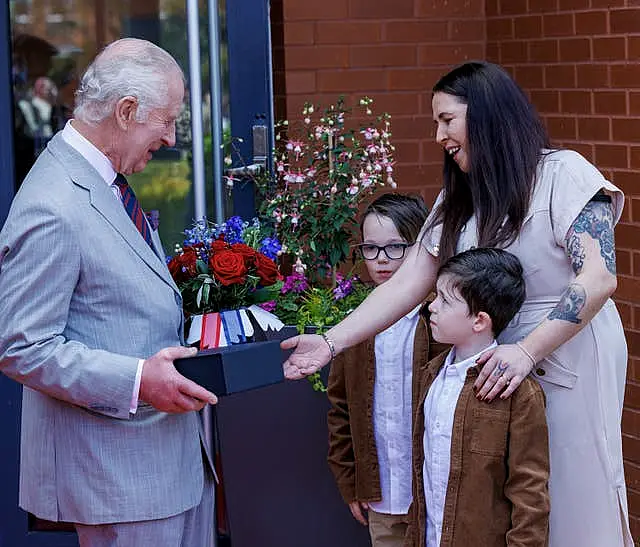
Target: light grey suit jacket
{"points": [[82, 298]]}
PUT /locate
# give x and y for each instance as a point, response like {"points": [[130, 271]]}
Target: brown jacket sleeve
{"points": [[341, 456], [527, 481]]}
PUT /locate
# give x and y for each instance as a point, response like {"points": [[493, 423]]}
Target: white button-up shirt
{"points": [[439, 410], [392, 413]]}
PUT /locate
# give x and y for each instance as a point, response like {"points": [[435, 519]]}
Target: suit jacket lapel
{"points": [[104, 201]]}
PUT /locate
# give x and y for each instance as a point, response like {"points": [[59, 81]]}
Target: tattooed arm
{"points": [[591, 251]]}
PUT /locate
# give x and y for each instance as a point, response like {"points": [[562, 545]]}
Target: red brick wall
{"points": [[578, 59], [580, 62], [390, 50]]}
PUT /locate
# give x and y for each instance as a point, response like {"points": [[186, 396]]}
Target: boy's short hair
{"points": [[408, 213], [489, 280]]}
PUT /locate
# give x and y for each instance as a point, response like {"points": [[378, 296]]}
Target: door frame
{"points": [[251, 98]]}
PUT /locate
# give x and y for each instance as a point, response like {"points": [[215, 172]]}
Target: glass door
{"points": [[223, 47]]}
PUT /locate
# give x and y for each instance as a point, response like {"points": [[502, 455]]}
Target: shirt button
{"points": [[540, 372]]}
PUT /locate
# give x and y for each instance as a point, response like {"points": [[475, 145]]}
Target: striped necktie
{"points": [[132, 206]]}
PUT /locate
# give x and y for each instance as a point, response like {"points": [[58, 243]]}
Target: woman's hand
{"points": [[504, 369], [310, 354], [358, 510]]}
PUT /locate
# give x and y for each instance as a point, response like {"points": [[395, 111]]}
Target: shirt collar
{"points": [[89, 152], [462, 367]]}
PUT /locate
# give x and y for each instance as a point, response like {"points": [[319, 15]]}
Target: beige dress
{"points": [[584, 379]]}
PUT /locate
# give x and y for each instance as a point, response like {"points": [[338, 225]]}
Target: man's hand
{"points": [[358, 510], [310, 355], [164, 388]]}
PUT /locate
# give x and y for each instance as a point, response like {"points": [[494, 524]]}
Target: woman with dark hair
{"points": [[504, 187]]}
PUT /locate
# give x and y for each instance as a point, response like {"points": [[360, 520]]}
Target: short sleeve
{"points": [[429, 237], [574, 181]]}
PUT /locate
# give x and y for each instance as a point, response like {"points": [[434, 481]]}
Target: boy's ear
{"points": [[482, 323]]}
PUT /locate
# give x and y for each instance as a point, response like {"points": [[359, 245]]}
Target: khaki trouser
{"points": [[387, 530]]}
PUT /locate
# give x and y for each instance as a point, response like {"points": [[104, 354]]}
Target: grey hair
{"points": [[127, 67]]}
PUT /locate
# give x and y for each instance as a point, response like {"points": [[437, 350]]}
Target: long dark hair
{"points": [[505, 140]]}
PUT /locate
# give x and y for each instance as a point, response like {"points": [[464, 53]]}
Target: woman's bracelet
{"points": [[332, 347], [526, 352]]}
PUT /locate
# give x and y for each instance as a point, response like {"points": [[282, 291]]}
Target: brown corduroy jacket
{"points": [[497, 494], [353, 457]]}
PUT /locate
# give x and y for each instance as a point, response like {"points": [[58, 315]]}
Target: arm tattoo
{"points": [[596, 219], [570, 305]]}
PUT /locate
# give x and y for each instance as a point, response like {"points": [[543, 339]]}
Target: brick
{"points": [[348, 32], [301, 81], [634, 163], [446, 8], [578, 102], [529, 76], [543, 51], [610, 102], [633, 48], [634, 103], [631, 423], [570, 5], [514, 52], [397, 9], [629, 291], [422, 79], [299, 33], [561, 127], [560, 76], [606, 3], [345, 81], [448, 54], [501, 28], [491, 8], [635, 216], [593, 76], [383, 55], [470, 30], [610, 155], [415, 31], [315, 11], [591, 22], [317, 57], [528, 27], [547, 102], [632, 398], [595, 129], [513, 7], [407, 151], [411, 127], [543, 6], [609, 49], [493, 52], [625, 310], [431, 152], [627, 181], [623, 21], [625, 76], [397, 103], [558, 24], [627, 236], [626, 129], [575, 49]]}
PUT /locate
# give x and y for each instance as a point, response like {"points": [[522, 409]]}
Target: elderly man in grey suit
{"points": [[92, 321]]}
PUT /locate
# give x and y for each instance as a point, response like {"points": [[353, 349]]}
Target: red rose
{"points": [[249, 253], [228, 267], [219, 244], [266, 270], [183, 266]]}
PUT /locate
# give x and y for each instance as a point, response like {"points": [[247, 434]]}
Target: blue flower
{"points": [[233, 228], [270, 247]]}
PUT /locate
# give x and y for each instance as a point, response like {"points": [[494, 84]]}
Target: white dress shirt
{"points": [[439, 409], [392, 413], [105, 169]]}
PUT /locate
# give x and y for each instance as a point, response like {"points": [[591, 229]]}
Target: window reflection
{"points": [[52, 43]]}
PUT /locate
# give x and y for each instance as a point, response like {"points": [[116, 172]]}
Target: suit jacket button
{"points": [[178, 299], [540, 372]]}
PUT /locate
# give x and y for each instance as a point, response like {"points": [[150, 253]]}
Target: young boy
{"points": [[480, 470], [370, 387]]}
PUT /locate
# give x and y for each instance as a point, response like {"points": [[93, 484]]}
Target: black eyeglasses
{"points": [[394, 251]]}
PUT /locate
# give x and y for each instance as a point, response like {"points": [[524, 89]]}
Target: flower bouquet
{"points": [[222, 271]]}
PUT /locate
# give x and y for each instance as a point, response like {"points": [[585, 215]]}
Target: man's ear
{"points": [[482, 323], [125, 111]]}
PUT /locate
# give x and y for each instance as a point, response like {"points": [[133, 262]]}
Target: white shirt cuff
{"points": [[136, 388]]}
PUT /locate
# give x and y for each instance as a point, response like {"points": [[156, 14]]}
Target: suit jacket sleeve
{"points": [[341, 455], [527, 482], [38, 276]]}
